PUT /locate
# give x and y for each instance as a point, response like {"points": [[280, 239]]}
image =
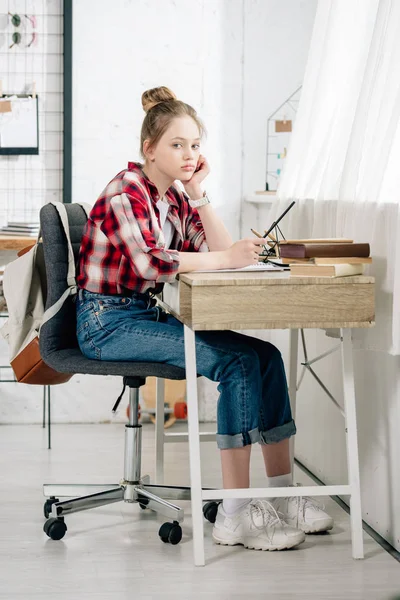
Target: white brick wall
{"points": [[195, 50]]}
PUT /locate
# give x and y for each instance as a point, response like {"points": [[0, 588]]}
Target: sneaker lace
{"points": [[304, 502], [269, 515]]}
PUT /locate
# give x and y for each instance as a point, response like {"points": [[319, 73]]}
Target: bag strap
{"points": [[53, 310], [60, 207], [71, 290]]}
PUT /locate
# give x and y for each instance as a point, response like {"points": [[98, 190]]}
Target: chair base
{"points": [[85, 497], [133, 488]]}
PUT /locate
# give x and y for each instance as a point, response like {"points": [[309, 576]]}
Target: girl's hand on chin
{"points": [[201, 172]]}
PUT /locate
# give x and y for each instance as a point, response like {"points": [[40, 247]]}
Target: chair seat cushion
{"points": [[71, 360]]}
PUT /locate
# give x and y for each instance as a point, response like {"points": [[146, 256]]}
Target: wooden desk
{"points": [[11, 242], [265, 300]]}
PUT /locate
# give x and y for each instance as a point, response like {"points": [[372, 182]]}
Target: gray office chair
{"points": [[59, 349]]}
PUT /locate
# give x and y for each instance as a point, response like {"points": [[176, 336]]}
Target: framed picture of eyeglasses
{"points": [[19, 124]]}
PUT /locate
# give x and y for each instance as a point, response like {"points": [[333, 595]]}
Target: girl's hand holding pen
{"points": [[244, 252]]}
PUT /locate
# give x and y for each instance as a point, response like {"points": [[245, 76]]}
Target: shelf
{"points": [[266, 198]]}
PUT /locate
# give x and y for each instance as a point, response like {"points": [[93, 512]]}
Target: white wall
{"points": [[277, 36], [196, 52]]}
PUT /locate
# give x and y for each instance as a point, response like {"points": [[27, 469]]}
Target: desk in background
{"points": [[265, 300], [11, 242]]}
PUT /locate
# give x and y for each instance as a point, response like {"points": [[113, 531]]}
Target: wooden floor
{"points": [[115, 552]]}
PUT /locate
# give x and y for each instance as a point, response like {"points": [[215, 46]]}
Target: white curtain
{"points": [[343, 163]]}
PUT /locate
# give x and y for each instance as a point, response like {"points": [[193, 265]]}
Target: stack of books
{"points": [[20, 228], [325, 257]]}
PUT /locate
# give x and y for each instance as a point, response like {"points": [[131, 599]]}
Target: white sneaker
{"points": [[256, 526], [303, 513]]}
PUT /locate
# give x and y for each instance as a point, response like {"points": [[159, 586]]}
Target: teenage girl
{"points": [[141, 232]]}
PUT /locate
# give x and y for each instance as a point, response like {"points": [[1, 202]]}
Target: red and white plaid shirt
{"points": [[123, 246]]}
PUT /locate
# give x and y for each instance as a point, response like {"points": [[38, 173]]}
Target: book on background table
{"points": [[19, 233], [22, 224], [333, 270], [19, 228], [323, 250], [318, 241]]}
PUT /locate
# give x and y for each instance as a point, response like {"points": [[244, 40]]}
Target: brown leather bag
{"points": [[29, 367]]}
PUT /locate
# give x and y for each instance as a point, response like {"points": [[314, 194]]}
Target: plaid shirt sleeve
{"points": [[128, 227], [195, 237]]}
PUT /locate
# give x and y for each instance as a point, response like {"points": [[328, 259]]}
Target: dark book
{"points": [[322, 250]]}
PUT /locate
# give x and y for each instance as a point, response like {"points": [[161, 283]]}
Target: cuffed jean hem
{"points": [[225, 442], [277, 434]]}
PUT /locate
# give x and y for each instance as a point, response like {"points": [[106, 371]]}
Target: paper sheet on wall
{"points": [[18, 128]]}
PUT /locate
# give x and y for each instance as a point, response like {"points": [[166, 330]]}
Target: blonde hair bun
{"points": [[156, 95]]}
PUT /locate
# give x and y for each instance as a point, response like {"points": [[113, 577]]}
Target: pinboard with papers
{"points": [[19, 125]]}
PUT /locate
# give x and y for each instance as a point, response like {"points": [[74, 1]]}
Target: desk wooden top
{"points": [[265, 300], [244, 278], [17, 242]]}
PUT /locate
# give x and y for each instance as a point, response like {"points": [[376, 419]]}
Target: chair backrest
{"points": [[59, 332]]}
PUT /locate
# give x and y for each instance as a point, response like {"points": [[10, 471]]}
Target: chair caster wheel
{"points": [[170, 533], [55, 528], [143, 502], [210, 511], [48, 504]]}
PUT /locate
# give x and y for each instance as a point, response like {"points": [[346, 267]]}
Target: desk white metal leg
{"points": [[194, 447], [160, 389], [294, 356], [352, 445]]}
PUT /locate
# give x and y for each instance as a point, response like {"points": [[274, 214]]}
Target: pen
{"points": [[260, 236], [256, 233], [270, 235], [275, 223]]}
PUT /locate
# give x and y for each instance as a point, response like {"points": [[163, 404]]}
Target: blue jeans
{"points": [[253, 405]]}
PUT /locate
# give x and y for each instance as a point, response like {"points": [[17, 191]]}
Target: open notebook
{"points": [[260, 266]]}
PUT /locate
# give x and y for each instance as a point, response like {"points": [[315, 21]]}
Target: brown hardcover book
{"points": [[323, 250], [340, 270], [319, 260]]}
